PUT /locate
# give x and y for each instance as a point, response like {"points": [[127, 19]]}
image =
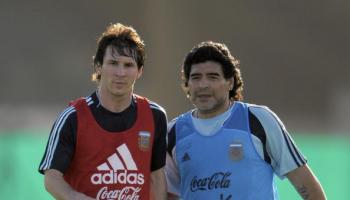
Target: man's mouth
{"points": [[203, 96]]}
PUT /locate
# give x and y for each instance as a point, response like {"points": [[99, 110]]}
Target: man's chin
{"points": [[119, 93], [204, 108]]}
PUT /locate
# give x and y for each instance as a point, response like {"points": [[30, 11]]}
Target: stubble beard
{"points": [[211, 108]]}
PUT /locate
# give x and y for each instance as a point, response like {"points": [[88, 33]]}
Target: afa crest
{"points": [[144, 140], [236, 151]]}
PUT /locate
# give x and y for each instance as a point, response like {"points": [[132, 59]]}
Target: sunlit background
{"points": [[295, 58]]}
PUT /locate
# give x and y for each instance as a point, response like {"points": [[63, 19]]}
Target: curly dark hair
{"points": [[125, 40], [217, 52]]}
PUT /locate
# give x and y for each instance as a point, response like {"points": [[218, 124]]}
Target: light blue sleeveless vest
{"points": [[225, 166]]}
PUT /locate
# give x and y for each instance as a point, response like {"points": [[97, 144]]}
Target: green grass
{"points": [[21, 152], [329, 158], [20, 155]]}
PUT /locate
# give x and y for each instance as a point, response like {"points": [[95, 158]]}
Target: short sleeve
{"points": [[285, 155]]}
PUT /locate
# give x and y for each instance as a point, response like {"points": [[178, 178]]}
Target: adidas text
{"points": [[120, 176]]}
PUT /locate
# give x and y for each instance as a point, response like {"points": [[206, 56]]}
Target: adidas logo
{"points": [[115, 169], [115, 161], [185, 157]]}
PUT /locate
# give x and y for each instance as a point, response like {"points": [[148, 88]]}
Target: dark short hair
{"points": [[217, 52], [125, 40]]}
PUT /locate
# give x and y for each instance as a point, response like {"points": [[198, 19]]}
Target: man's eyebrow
{"points": [[213, 74], [207, 74], [111, 59], [131, 62], [195, 74]]}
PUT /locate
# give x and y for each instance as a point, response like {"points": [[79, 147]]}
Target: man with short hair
{"points": [[111, 144]]}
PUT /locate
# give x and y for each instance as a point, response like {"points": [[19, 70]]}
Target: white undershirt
{"points": [[208, 127]]}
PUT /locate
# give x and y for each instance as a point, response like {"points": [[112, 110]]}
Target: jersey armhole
{"points": [[171, 140], [258, 130]]}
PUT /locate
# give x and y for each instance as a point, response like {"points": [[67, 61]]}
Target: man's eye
{"points": [[194, 77]]}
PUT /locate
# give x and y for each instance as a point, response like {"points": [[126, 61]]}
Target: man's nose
{"points": [[119, 71], [203, 83]]}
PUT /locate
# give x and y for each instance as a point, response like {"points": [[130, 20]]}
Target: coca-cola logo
{"points": [[215, 181], [126, 193]]}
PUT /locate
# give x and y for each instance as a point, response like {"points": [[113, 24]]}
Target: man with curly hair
{"points": [[224, 148]]}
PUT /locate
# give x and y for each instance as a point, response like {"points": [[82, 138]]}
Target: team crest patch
{"points": [[144, 140], [236, 152]]}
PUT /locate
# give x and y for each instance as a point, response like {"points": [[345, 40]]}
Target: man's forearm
{"points": [[59, 188], [158, 185], [306, 183]]}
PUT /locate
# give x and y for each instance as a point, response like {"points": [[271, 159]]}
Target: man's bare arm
{"points": [[158, 185], [306, 183], [59, 188]]}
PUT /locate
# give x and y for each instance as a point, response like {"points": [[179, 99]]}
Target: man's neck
{"points": [[114, 103], [211, 114]]}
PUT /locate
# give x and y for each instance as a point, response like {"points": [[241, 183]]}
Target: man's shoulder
{"points": [[172, 123], [89, 100], [182, 120], [256, 109], [69, 112], [156, 107], [159, 113], [268, 120], [183, 116], [262, 111]]}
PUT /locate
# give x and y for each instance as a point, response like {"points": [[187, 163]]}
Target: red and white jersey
{"points": [[112, 166]]}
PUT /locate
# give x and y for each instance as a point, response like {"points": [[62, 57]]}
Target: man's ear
{"points": [[140, 71], [185, 88], [97, 69], [231, 82]]}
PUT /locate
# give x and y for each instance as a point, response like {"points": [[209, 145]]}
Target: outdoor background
{"points": [[295, 58]]}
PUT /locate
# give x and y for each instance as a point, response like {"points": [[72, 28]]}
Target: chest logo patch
{"points": [[144, 140], [236, 151]]}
